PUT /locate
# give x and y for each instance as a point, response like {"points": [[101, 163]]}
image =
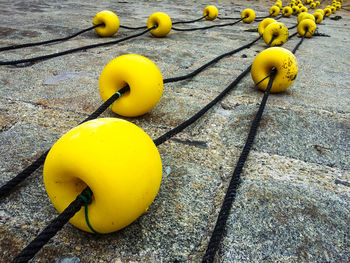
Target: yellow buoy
{"points": [[278, 31], [277, 58], [210, 12], [162, 22], [143, 78], [248, 15], [110, 23], [264, 23], [117, 160]]}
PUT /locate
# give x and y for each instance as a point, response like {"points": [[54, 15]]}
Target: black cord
{"points": [[235, 181], [10, 185], [50, 231], [300, 42], [49, 41], [199, 114], [190, 75], [207, 27], [190, 21], [133, 28], [45, 57]]}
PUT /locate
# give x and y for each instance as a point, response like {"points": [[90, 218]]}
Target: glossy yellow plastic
{"points": [[287, 11], [117, 160], [307, 1], [163, 23], [303, 9], [276, 57], [249, 15], [274, 11], [141, 75], [306, 24], [110, 21], [307, 16], [327, 11], [320, 11], [300, 17], [318, 17], [278, 31], [313, 5], [279, 4], [317, 3], [300, 5], [264, 23], [295, 10], [210, 12], [333, 9]]}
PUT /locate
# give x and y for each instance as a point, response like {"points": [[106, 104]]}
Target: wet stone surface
{"points": [[294, 197]]}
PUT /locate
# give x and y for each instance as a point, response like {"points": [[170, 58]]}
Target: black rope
{"points": [[45, 57], [235, 180], [10, 185], [207, 27], [190, 21], [199, 114], [300, 42], [190, 75], [50, 231], [49, 41], [133, 28]]}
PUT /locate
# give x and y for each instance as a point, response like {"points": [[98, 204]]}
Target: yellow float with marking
{"points": [[117, 160], [333, 9], [248, 15], [141, 75], [306, 25], [287, 11], [278, 31], [282, 60], [210, 12], [264, 23], [318, 17], [110, 23], [317, 3], [162, 22], [313, 5], [274, 11]]}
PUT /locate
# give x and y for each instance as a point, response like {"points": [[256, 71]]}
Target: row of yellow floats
{"points": [[116, 159]]}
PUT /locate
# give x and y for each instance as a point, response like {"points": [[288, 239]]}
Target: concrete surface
{"points": [[293, 203]]}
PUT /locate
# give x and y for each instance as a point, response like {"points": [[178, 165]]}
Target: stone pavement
{"points": [[293, 203]]}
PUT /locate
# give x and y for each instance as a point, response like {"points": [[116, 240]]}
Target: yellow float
{"points": [[318, 17], [278, 31], [307, 26], [248, 15], [117, 160], [274, 11], [264, 23], [287, 11], [162, 22], [275, 58], [210, 12], [110, 23], [141, 75]]}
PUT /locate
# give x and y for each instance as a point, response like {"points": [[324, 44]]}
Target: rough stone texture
{"points": [[293, 203]]}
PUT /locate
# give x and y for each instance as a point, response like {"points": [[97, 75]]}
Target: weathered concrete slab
{"points": [[293, 203]]}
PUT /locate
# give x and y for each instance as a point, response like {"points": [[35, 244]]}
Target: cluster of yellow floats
{"points": [[116, 159]]}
